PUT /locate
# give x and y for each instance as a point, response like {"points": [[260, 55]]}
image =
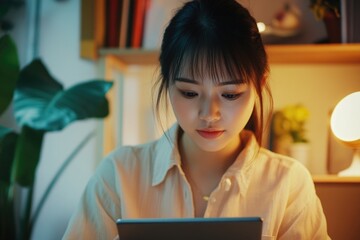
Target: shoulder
{"points": [[281, 163], [137, 160], [143, 155], [285, 170], [129, 157]]}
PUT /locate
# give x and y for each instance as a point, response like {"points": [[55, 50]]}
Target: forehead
{"points": [[216, 69]]}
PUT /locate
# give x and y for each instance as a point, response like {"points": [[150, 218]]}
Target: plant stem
{"points": [[7, 223], [26, 230], [27, 156], [56, 178]]}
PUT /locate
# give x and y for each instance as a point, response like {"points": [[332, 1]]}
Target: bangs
{"points": [[212, 61], [200, 41]]}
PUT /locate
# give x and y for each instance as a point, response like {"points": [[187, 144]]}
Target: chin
{"points": [[211, 145]]}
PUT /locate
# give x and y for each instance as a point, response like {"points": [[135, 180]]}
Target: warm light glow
{"points": [[345, 119], [261, 26]]}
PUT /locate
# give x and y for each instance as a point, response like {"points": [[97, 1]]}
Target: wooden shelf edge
{"points": [[132, 56], [278, 54], [335, 179], [314, 53]]}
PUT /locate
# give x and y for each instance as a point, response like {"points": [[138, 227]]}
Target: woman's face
{"points": [[211, 113]]}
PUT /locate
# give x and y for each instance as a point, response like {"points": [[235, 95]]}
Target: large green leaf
{"points": [[41, 103], [9, 71], [35, 88], [36, 76]]}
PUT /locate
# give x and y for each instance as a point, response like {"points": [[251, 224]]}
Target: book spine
{"points": [[113, 22], [138, 27], [124, 23], [129, 32]]}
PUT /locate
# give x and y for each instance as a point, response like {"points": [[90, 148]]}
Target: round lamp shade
{"points": [[345, 120]]}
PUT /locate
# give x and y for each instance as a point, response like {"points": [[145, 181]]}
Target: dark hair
{"points": [[219, 38]]}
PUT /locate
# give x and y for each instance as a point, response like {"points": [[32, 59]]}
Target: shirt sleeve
{"points": [[304, 217], [95, 217]]}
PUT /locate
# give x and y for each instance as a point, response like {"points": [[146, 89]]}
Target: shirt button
{"points": [[227, 184]]}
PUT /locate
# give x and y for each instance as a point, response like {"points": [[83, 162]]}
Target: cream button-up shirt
{"points": [[147, 181]]}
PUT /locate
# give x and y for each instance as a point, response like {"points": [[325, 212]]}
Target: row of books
{"points": [[137, 23], [350, 21]]}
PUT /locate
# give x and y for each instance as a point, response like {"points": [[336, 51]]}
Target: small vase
{"points": [[300, 152]]}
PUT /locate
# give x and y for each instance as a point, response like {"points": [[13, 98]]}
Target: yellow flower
{"points": [[290, 121]]}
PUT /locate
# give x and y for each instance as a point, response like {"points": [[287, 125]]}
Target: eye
{"points": [[231, 96], [188, 94]]}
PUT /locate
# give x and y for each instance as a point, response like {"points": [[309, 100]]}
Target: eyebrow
{"points": [[187, 80]]}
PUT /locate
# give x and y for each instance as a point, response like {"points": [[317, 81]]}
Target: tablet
{"points": [[248, 228]]}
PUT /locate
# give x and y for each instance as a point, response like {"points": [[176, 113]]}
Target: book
{"points": [[138, 22], [113, 16], [124, 21], [130, 24], [92, 28], [350, 21]]}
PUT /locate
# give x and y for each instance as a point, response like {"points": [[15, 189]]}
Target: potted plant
{"points": [[41, 105], [288, 127], [321, 7], [329, 12]]}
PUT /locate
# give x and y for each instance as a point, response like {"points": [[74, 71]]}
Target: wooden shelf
{"points": [[340, 197], [336, 179], [314, 53], [278, 54], [132, 56]]}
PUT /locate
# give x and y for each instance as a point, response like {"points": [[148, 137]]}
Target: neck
{"points": [[204, 170], [209, 163]]}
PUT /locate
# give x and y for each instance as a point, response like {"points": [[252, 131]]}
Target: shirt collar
{"points": [[168, 156]]}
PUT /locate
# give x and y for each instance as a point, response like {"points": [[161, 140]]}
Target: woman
{"points": [[209, 164]]}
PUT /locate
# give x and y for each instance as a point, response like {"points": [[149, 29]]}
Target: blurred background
{"points": [[51, 30]]}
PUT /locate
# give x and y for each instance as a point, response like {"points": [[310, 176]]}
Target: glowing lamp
{"points": [[345, 125]]}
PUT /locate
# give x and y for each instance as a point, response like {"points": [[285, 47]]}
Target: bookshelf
{"points": [[115, 62], [93, 42], [118, 61]]}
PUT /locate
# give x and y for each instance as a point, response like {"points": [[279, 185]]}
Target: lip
{"points": [[210, 133]]}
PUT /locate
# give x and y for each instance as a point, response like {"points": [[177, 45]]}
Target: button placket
{"points": [[188, 198], [216, 197]]}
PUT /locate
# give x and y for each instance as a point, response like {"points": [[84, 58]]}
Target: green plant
{"points": [[320, 7], [41, 105], [290, 121]]}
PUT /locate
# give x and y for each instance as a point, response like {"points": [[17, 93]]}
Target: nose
{"points": [[209, 110]]}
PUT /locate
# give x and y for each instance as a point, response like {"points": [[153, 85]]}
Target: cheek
{"points": [[181, 107], [178, 107], [241, 114]]}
